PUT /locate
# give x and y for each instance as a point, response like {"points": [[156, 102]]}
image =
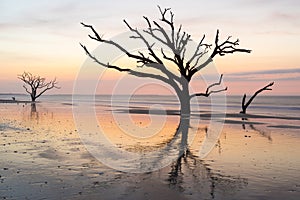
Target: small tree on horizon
{"points": [[176, 42], [35, 86]]}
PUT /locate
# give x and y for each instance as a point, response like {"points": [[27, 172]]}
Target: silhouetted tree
{"points": [[36, 85], [176, 42], [245, 105]]}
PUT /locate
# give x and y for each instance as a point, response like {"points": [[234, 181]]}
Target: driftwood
{"points": [[245, 105]]}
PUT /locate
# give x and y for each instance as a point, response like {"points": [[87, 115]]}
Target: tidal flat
{"points": [[45, 154]]}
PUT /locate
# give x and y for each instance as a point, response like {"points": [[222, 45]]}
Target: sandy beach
{"points": [[43, 157]]}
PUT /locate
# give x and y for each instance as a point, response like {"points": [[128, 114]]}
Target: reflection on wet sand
{"points": [[34, 115], [261, 132], [41, 156], [188, 171]]}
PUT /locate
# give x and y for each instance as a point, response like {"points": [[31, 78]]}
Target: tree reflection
{"points": [[34, 115], [189, 171], [257, 130]]}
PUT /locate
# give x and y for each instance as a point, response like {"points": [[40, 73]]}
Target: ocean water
{"points": [[270, 105]]}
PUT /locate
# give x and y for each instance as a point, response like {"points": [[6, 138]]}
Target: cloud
{"points": [[285, 17], [282, 16], [273, 71], [279, 33], [272, 75]]}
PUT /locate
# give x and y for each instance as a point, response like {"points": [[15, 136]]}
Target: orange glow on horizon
{"points": [[46, 43]]}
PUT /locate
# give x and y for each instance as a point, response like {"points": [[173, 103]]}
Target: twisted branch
{"points": [[226, 47], [208, 91], [222, 49], [130, 71], [245, 105]]}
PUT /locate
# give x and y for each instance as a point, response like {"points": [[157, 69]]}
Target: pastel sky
{"points": [[42, 37]]}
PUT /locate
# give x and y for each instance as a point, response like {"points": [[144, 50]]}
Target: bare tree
{"points": [[36, 85], [176, 42], [245, 105]]}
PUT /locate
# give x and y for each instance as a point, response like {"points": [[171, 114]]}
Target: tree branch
{"points": [[149, 47], [169, 22], [199, 52], [226, 47], [222, 49], [101, 63], [99, 39], [130, 71], [245, 106], [158, 64], [52, 84], [168, 58], [175, 42], [208, 91], [26, 89]]}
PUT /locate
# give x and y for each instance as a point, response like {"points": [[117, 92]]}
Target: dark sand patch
{"points": [[69, 104], [4, 127], [145, 110], [51, 154], [285, 126], [13, 101], [246, 116], [228, 121], [202, 114]]}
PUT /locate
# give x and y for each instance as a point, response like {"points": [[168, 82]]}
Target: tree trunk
{"points": [[184, 98], [244, 108], [185, 106], [33, 95], [33, 98]]}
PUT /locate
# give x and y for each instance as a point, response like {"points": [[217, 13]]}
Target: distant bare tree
{"points": [[175, 42], [245, 105], [36, 85]]}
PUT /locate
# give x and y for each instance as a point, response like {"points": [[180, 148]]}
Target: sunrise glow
{"points": [[44, 38]]}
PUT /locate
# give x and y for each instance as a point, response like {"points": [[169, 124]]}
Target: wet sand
{"points": [[42, 157], [13, 101]]}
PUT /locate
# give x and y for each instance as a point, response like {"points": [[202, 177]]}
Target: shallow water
{"points": [[44, 154]]}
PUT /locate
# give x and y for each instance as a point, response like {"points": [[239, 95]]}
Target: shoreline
{"points": [[43, 152], [14, 101]]}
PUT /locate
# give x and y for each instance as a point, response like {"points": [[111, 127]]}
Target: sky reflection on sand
{"points": [[42, 157]]}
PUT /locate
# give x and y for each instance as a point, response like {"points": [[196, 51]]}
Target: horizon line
{"points": [[70, 94]]}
